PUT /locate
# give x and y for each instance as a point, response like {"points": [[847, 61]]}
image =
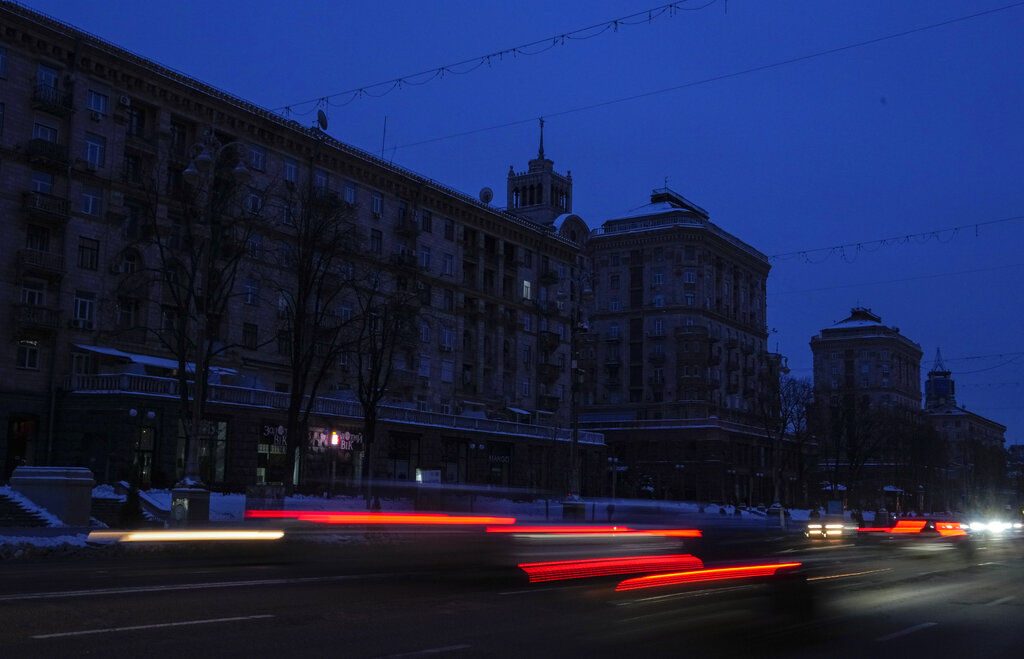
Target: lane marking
{"points": [[153, 626], [849, 574], [420, 653], [904, 632], [1001, 600], [170, 588]]}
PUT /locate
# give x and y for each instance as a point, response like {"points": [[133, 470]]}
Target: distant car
{"points": [[919, 534]]}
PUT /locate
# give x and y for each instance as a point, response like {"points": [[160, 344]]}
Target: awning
{"points": [[149, 360], [516, 410]]}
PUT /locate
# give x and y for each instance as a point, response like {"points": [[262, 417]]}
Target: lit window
{"points": [[527, 290]]}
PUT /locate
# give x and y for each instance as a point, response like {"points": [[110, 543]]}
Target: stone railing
{"points": [[224, 394]]}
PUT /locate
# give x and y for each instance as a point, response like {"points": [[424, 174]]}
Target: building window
{"points": [[85, 305], [524, 387], [527, 322], [320, 179], [424, 366], [615, 259], [291, 171], [659, 301], [659, 276], [257, 158], [47, 76], [127, 312], [377, 205], [425, 332], [447, 339], [284, 342], [1, 118], [376, 242], [346, 312], [527, 352], [615, 304], [690, 276], [88, 253], [528, 258], [28, 355], [249, 335], [97, 102], [613, 282], [33, 294], [254, 202], [3, 62], [449, 229], [252, 291], [91, 201], [449, 300], [350, 193], [658, 328], [689, 299], [447, 371], [527, 290], [426, 221], [95, 149], [45, 132], [42, 182], [449, 265], [424, 257], [614, 331]]}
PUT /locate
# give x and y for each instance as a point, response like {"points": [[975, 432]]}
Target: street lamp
{"points": [[200, 173]]}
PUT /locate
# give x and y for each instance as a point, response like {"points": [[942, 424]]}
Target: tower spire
{"points": [[939, 367], [540, 152]]}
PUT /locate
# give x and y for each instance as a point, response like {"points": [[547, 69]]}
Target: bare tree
{"points": [[383, 327], [317, 253], [190, 258]]}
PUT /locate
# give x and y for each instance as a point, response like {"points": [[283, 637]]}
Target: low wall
{"points": [[65, 492]]}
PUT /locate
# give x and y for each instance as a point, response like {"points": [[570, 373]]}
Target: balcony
{"points": [[548, 373], [50, 99], [548, 308], [46, 153], [37, 262], [405, 260], [612, 337], [548, 402], [547, 278], [691, 332], [35, 319], [46, 207], [549, 340], [407, 229]]}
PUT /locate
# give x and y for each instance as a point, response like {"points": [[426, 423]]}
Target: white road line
{"points": [[155, 626], [420, 653], [904, 632], [169, 588], [1001, 600]]}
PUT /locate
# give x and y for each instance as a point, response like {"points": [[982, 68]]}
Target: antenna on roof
{"points": [[321, 119]]}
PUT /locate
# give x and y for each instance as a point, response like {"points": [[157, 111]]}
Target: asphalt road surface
{"points": [[387, 600]]}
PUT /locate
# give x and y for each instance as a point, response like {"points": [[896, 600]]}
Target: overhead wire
{"points": [[529, 49]]}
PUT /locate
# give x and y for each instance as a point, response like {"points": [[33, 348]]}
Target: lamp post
{"points": [[208, 154]]}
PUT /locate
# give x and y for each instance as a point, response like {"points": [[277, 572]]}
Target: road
{"points": [[322, 600]]}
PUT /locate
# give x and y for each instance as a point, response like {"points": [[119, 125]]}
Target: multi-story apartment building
{"points": [[975, 445], [96, 149], [861, 358], [678, 376]]}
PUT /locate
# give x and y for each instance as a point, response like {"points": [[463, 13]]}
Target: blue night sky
{"points": [[767, 114]]}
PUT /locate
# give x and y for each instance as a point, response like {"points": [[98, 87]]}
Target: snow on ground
{"points": [[230, 508]]}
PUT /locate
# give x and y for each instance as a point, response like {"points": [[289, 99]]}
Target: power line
{"points": [[466, 66], [883, 282], [872, 245], [718, 78]]}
